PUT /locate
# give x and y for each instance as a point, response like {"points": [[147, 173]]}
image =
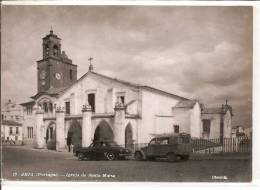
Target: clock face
{"points": [[58, 76], [43, 74], [43, 82]]}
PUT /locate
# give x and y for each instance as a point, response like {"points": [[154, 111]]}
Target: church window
{"points": [[176, 128], [45, 107], [51, 107], [121, 97], [67, 107], [91, 101]]}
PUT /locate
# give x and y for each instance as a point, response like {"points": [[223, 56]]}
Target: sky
{"points": [[204, 53]]}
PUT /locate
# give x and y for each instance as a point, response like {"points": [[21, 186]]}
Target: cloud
{"points": [[199, 52]]}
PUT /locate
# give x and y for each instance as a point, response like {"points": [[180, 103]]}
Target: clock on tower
{"points": [[55, 69]]}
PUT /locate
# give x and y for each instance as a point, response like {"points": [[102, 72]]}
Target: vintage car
{"points": [[102, 150], [172, 147]]}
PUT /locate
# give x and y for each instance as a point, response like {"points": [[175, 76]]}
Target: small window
{"points": [[45, 107], [51, 107], [122, 98], [67, 106], [11, 130], [47, 50], [176, 128], [206, 126], [17, 130], [71, 74], [55, 50]]}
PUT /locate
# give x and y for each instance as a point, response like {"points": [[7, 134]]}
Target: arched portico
{"points": [[103, 132], [129, 136], [74, 135]]}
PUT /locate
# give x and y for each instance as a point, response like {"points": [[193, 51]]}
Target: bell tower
{"points": [[55, 69], [51, 45]]}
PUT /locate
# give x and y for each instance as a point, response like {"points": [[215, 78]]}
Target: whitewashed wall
{"points": [[155, 104]]}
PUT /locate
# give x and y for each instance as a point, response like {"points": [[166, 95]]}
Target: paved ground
{"points": [[27, 164]]}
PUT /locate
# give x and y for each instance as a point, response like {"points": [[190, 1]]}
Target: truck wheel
{"points": [[172, 157], [185, 157], [138, 156], [110, 156], [81, 156]]}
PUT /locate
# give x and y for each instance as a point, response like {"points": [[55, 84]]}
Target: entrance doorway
{"points": [[103, 132], [128, 136], [50, 137]]}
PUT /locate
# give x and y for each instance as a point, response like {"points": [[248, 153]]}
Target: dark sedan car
{"points": [[102, 150]]}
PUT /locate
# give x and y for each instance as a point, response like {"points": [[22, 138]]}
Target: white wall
{"points": [[195, 118], [155, 104], [227, 125]]}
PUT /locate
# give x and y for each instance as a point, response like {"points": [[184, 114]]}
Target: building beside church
{"points": [[11, 122], [67, 110]]}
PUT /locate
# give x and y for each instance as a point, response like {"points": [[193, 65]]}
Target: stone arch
{"points": [[50, 136], [129, 136], [103, 132], [74, 135]]}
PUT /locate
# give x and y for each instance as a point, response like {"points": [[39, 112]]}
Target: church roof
{"points": [[212, 110], [138, 86], [185, 104], [218, 110], [11, 123]]}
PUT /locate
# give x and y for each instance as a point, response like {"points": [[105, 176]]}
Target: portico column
{"points": [[39, 129], [86, 125], [119, 123], [60, 124]]}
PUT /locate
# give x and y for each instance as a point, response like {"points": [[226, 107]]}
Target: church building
{"points": [[67, 110]]}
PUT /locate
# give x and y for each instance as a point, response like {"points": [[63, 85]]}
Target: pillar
{"points": [[119, 123], [60, 124], [40, 143], [86, 125]]}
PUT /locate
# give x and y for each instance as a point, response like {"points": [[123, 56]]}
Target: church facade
{"points": [[69, 111]]}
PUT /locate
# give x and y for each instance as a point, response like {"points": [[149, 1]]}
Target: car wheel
{"points": [[110, 156], [138, 156], [81, 156], [172, 157]]}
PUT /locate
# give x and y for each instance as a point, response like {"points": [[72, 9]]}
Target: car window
{"points": [[153, 142], [164, 141], [97, 144], [91, 145]]}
